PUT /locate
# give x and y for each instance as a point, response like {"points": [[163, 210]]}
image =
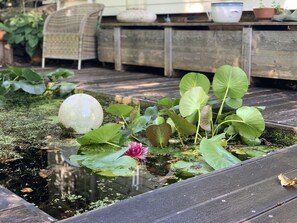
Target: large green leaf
{"points": [[192, 101], [32, 88], [66, 88], [103, 134], [30, 75], [168, 102], [182, 125], [215, 155], [252, 125], [189, 169], [232, 80], [107, 162], [234, 102], [139, 124], [159, 135], [193, 79], [120, 110]]}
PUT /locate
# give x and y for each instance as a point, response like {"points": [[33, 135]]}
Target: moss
{"points": [[280, 137]]}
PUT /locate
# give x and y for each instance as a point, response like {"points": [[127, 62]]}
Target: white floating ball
{"points": [[81, 112]]}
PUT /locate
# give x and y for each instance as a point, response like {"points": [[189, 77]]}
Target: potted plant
{"points": [[24, 31], [266, 13]]}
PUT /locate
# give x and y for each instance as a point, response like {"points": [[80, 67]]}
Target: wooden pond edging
{"points": [[248, 192], [14, 209]]}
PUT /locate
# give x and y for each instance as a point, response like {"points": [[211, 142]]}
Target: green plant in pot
{"points": [[24, 31], [264, 12]]}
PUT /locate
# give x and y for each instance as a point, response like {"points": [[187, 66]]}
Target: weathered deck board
{"points": [[280, 104], [14, 209], [283, 213], [229, 195]]}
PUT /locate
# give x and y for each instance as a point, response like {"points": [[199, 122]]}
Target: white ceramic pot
{"points": [[226, 12]]}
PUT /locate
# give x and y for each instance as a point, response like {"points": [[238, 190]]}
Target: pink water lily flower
{"points": [[136, 151]]}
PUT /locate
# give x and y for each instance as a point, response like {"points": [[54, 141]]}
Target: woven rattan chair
{"points": [[69, 33]]}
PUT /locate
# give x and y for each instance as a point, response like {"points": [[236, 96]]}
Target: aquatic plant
{"points": [[25, 79], [189, 123], [136, 151]]}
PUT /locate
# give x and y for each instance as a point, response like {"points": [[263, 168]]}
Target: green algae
{"points": [[25, 123]]}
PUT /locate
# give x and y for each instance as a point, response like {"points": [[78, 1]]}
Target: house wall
{"points": [[113, 7]]}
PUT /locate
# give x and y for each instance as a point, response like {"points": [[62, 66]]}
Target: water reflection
{"points": [[63, 190]]}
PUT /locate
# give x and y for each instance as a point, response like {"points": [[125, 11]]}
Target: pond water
{"points": [[63, 190], [45, 177]]}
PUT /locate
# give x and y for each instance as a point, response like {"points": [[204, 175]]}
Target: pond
{"points": [[35, 163], [43, 178], [185, 140]]}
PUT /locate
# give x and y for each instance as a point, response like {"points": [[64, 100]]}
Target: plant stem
{"points": [[112, 144], [197, 129], [217, 128], [222, 106]]}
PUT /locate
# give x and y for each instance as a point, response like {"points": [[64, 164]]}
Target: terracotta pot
{"points": [[264, 13], [2, 33]]}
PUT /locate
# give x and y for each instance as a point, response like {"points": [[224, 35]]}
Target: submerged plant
{"points": [[189, 129]]}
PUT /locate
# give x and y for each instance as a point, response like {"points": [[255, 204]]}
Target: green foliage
{"points": [[106, 134], [24, 79], [25, 30], [189, 169], [159, 135], [107, 162], [215, 155], [192, 121]]}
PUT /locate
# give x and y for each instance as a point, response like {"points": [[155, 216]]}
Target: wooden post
{"points": [[117, 49], [246, 55], [168, 68]]}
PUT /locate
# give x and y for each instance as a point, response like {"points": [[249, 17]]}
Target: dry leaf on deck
{"points": [[286, 181], [27, 190]]}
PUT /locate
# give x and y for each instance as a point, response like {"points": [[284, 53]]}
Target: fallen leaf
{"points": [[286, 181], [27, 190], [44, 173]]}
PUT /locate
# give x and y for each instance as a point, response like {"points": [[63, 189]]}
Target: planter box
{"points": [[202, 47]]}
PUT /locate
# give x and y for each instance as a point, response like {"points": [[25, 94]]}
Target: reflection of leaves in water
{"points": [[106, 161]]}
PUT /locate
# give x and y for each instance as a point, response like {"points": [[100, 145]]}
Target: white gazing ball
{"points": [[81, 112]]}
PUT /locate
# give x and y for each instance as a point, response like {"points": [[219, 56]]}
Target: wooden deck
{"points": [[248, 192], [281, 105]]}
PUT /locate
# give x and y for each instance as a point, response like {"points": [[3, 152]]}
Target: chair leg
{"points": [[43, 62], [79, 65]]}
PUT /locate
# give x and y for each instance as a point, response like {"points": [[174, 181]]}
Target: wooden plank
{"points": [[105, 45], [204, 50], [117, 49], [201, 198], [246, 56], [274, 54], [24, 214], [14, 209], [285, 212], [168, 68], [142, 47]]}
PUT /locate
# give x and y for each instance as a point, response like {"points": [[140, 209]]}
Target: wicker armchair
{"points": [[69, 33]]}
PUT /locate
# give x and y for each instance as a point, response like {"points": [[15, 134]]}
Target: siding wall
{"points": [[113, 7]]}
